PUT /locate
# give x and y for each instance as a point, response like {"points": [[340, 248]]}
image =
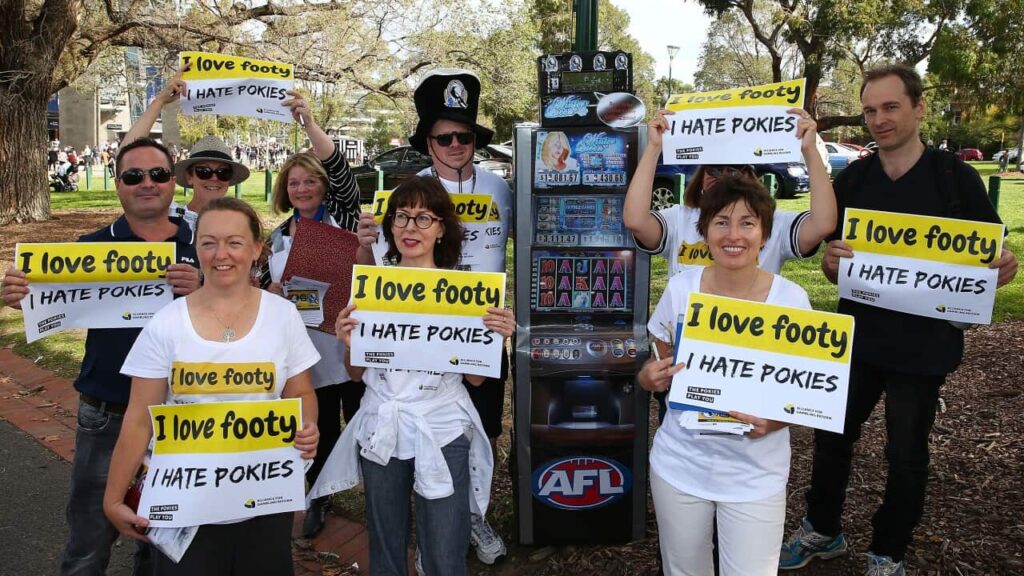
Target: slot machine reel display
{"points": [[580, 420]]}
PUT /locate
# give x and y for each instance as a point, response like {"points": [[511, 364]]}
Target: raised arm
{"points": [[636, 212], [174, 89], [822, 220]]}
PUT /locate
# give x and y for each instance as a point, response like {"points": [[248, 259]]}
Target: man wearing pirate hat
{"points": [[446, 103]]}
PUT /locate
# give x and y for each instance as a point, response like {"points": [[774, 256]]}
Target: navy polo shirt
{"points": [[106, 348]]}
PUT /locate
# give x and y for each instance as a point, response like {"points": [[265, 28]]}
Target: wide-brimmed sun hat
{"points": [[209, 148]]}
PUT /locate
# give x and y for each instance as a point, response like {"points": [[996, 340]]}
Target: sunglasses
{"points": [[423, 221], [133, 176], [224, 173], [719, 171], [446, 139]]}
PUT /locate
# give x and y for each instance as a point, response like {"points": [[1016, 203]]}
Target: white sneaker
{"points": [[489, 546]]}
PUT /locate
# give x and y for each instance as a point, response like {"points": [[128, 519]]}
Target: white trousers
{"points": [[749, 533]]}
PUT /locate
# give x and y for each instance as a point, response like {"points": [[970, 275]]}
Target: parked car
{"points": [[400, 164], [839, 156], [790, 178], [999, 155], [869, 149], [853, 146], [966, 154]]}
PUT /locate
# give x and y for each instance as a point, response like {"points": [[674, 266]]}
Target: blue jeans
{"points": [[442, 525], [90, 534]]}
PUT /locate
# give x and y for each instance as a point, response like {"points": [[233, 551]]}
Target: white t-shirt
{"points": [[486, 182], [722, 468], [274, 350], [685, 248]]}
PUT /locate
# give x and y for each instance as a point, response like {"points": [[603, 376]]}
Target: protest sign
{"points": [[93, 284], [774, 362], [234, 85], [737, 126], [222, 461], [479, 215], [426, 319], [922, 265]]}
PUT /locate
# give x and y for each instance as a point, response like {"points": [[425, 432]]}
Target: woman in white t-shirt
{"points": [[227, 324], [740, 480], [416, 431], [672, 232]]}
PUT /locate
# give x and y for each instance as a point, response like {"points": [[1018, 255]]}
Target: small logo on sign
{"points": [[454, 360], [789, 409], [250, 503], [581, 482], [127, 316]]}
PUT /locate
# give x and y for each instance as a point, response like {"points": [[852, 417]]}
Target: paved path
{"points": [[35, 404]]}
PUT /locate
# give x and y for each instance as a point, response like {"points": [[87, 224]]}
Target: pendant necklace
{"points": [[228, 334]]}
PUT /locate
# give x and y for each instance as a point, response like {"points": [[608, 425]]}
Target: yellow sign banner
{"points": [[210, 66], [223, 378], [944, 240], [86, 262], [471, 208], [770, 328], [790, 93], [426, 291], [225, 427]]}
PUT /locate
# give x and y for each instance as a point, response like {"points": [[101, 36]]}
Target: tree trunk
{"points": [[24, 185]]}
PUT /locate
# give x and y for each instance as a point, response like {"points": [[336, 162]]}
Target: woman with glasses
{"points": [[317, 185], [416, 431], [672, 232]]}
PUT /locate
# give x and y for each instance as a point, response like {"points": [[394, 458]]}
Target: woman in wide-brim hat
{"points": [[209, 170]]}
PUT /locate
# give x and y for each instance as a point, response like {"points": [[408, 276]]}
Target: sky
{"points": [[659, 23]]}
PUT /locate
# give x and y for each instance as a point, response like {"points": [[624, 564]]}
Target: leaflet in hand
{"points": [[714, 422], [308, 296]]}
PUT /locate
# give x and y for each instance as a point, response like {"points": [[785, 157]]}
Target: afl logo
{"points": [[581, 483]]}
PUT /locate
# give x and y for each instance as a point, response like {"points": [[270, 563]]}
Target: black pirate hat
{"points": [[447, 94]]}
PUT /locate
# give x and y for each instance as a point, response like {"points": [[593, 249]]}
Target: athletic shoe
{"points": [[488, 544], [805, 544], [419, 562], [883, 566]]}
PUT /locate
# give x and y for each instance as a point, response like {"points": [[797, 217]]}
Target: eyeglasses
{"points": [[446, 139], [423, 220], [224, 173], [719, 171], [133, 176]]}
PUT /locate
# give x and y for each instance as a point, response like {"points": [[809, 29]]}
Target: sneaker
{"points": [[806, 544], [419, 562], [489, 546], [883, 566]]}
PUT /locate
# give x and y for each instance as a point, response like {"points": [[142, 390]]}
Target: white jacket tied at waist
{"points": [[432, 478]]}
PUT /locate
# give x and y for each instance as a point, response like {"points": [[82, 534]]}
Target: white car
{"points": [[840, 156]]}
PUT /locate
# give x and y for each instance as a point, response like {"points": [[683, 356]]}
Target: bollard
{"points": [[680, 185], [769, 182], [104, 178], [238, 190], [267, 185], [994, 184], [380, 178], [88, 177]]}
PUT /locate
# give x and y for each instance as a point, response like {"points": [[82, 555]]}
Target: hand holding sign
{"points": [[307, 439], [1007, 266], [501, 321], [344, 325], [175, 88], [806, 130], [657, 127], [367, 229], [126, 520], [656, 374], [15, 287], [761, 427]]}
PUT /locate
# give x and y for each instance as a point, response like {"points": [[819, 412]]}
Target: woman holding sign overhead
{"points": [[416, 431], [225, 328], [317, 185], [672, 232], [696, 477]]}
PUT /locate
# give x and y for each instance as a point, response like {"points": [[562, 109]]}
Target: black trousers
{"points": [[328, 421], [261, 545], [910, 402]]}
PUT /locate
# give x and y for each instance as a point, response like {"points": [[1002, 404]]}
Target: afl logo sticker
{"points": [[581, 483]]}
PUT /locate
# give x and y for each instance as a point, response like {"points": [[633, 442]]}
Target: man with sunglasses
{"points": [[145, 188], [448, 132]]}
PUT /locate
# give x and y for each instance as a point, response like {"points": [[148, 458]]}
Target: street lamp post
{"points": [[672, 51]]}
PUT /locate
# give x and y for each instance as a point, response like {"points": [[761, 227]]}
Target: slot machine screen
{"points": [[603, 81], [591, 158], [584, 220], [592, 281]]}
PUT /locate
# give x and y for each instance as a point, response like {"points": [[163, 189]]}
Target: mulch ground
{"points": [[974, 517]]}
